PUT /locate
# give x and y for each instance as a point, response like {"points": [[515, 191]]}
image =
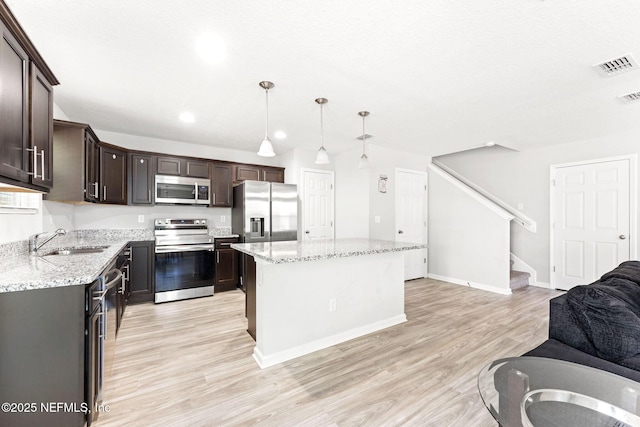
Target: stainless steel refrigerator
{"points": [[262, 212], [265, 211]]}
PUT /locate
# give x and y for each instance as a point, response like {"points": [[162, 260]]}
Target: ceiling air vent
{"points": [[630, 97], [616, 66]]}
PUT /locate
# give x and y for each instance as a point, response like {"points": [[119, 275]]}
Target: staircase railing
{"points": [[518, 216]]}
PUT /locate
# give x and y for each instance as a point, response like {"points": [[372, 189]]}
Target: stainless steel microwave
{"points": [[182, 190]]}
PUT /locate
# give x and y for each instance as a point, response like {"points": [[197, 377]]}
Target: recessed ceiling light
{"points": [[490, 144], [211, 48], [187, 117], [280, 135]]}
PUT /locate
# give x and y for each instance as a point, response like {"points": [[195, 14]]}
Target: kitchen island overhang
{"points": [[313, 295]]}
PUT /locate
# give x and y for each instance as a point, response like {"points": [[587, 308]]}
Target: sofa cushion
{"points": [[553, 349], [609, 313], [628, 270]]}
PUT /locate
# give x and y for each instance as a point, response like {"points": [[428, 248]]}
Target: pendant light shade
{"points": [[322, 158], [266, 147], [364, 160]]}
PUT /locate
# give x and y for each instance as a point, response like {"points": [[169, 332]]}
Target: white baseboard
{"points": [[474, 285], [542, 285], [273, 359]]}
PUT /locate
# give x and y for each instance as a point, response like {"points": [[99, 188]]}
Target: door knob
{"points": [[400, 231], [622, 237], [307, 232]]}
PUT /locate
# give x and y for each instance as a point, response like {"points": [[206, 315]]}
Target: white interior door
{"points": [[411, 189], [591, 221], [317, 205]]}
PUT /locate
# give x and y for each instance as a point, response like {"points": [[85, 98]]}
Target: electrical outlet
{"points": [[140, 218], [520, 206], [223, 218], [332, 304], [376, 219]]}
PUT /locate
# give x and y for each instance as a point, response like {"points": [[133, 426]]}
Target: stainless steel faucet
{"points": [[33, 240]]}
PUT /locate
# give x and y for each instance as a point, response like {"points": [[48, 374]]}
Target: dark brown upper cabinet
{"points": [[14, 107], [84, 169], [113, 175], [41, 138], [91, 167], [75, 163], [221, 185], [140, 179], [196, 169], [244, 172], [26, 108], [182, 167], [273, 174]]}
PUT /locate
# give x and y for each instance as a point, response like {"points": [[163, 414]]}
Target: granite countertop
{"points": [[20, 271], [293, 251]]}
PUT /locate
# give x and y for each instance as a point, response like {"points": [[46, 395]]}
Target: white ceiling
{"points": [[437, 76]]}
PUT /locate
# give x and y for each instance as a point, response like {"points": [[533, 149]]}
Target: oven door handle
{"points": [[183, 248]]}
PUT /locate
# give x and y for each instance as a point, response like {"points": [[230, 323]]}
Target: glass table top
{"points": [[541, 392]]}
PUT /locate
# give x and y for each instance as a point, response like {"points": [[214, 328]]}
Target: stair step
{"points": [[518, 279]]}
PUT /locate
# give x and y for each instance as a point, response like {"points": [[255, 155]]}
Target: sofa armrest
{"points": [[563, 326]]}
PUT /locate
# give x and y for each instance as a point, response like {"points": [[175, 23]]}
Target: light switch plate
{"points": [[140, 218], [376, 219]]}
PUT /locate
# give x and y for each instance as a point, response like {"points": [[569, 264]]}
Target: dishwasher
{"points": [[100, 332]]}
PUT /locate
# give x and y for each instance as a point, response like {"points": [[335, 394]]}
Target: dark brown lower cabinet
{"points": [[142, 272], [226, 271], [249, 285], [42, 357]]}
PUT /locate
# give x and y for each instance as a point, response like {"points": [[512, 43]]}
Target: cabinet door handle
{"points": [[95, 193], [42, 164], [214, 198], [149, 196], [35, 162], [217, 257], [104, 196]]}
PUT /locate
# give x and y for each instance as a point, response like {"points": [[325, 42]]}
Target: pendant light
{"points": [[266, 148], [322, 158], [364, 160]]}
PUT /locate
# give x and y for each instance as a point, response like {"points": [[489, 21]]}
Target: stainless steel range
{"points": [[184, 259]]}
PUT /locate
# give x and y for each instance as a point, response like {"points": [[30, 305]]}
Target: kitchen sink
{"points": [[77, 250]]}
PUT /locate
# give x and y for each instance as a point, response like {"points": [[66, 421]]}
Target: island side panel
{"points": [[293, 310]]}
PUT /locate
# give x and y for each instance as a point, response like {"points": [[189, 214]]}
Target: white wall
{"points": [[14, 227], [352, 196], [384, 161], [523, 177], [95, 216], [468, 241]]}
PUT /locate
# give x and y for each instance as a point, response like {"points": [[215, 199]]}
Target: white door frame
{"points": [[633, 208], [425, 212], [333, 199]]}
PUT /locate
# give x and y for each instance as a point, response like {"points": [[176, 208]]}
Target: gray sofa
{"points": [[598, 325]]}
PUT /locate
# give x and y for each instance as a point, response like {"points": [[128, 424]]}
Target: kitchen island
{"points": [[312, 295]]}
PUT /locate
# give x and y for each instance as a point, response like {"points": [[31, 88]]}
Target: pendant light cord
{"points": [[321, 127], [267, 104]]}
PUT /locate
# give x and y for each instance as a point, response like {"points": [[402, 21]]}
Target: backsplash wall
{"points": [[114, 216]]}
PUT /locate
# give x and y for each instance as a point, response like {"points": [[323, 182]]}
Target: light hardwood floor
{"points": [[189, 363]]}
